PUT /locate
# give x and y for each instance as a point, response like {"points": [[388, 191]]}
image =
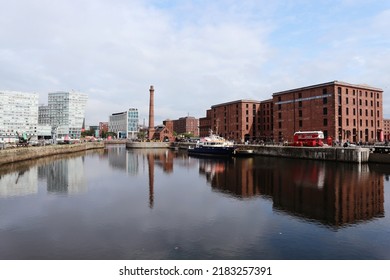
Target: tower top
{"points": [[151, 88]]}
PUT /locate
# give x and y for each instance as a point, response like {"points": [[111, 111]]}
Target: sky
{"points": [[196, 54]]}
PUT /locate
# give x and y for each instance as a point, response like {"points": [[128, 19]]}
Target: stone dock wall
{"points": [[11, 155], [147, 145], [354, 155], [351, 154]]}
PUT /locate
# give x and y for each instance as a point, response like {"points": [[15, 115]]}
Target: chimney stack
{"points": [[151, 114]]}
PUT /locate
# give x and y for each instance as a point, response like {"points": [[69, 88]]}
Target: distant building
{"points": [[66, 113], [19, 114], [205, 124], [386, 129], [168, 124], [103, 128], [266, 121], [235, 120], [124, 124], [43, 115], [341, 110], [186, 125], [162, 134]]}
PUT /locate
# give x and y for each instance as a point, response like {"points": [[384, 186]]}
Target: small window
{"points": [[325, 122]]}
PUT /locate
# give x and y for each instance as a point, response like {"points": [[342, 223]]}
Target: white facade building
{"points": [[66, 113], [124, 124], [19, 115]]}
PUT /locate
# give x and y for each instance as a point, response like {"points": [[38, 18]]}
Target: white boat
{"points": [[212, 145]]}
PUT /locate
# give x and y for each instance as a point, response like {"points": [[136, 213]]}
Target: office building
{"points": [[19, 115], [124, 124], [66, 113]]}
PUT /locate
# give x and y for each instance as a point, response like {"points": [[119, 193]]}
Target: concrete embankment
{"points": [[353, 154], [26, 153], [379, 158], [115, 141], [147, 145]]}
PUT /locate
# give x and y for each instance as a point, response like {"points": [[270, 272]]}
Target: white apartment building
{"points": [[18, 115], [124, 124], [66, 113]]}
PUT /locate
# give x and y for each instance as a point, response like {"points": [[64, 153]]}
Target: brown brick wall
{"points": [[343, 111]]}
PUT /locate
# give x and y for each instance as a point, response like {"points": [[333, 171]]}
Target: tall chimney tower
{"points": [[151, 114]]}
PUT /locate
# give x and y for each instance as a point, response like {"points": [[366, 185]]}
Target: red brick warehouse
{"points": [[341, 110]]}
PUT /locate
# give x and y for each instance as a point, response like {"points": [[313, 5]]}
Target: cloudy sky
{"points": [[195, 53]]}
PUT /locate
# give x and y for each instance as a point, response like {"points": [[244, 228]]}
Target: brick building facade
{"points": [[237, 120], [186, 125], [266, 121], [205, 124], [386, 129], [342, 111]]}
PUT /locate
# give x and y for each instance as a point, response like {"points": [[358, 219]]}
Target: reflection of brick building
{"points": [[332, 194], [337, 196], [342, 111]]}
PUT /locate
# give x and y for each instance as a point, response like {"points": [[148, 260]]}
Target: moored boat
{"points": [[212, 145]]}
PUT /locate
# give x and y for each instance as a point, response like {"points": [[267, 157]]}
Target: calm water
{"points": [[138, 204]]}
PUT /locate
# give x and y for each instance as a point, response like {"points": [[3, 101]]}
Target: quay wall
{"points": [[379, 158], [115, 141], [147, 145], [26, 153], [344, 154], [354, 155]]}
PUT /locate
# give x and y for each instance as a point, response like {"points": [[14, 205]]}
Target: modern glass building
{"points": [[66, 113], [124, 124], [19, 115]]}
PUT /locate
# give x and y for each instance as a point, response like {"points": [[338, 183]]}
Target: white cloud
{"points": [[195, 53]]}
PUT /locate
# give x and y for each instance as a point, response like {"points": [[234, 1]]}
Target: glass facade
{"points": [[67, 112]]}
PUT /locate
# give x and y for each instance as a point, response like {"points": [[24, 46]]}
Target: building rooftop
{"points": [[236, 101], [362, 86]]}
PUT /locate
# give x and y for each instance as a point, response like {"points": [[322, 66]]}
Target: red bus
{"points": [[309, 138]]}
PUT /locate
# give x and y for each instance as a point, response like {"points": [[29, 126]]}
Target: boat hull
{"points": [[211, 151]]}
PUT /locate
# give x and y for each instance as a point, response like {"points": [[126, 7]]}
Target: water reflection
{"points": [[19, 182], [331, 193], [62, 174], [160, 204], [335, 194]]}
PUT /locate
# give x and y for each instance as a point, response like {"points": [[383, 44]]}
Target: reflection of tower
{"points": [[151, 179], [151, 114]]}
